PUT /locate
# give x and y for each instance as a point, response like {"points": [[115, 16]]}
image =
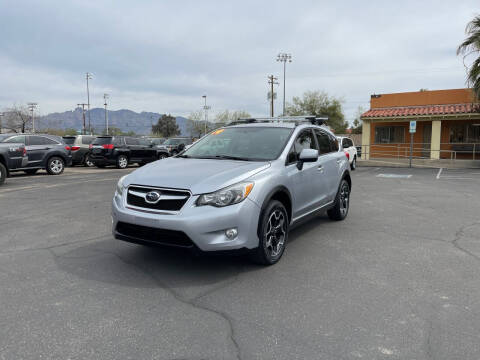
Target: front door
{"points": [[427, 140]]}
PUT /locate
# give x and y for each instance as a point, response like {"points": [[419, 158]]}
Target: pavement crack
{"points": [[459, 235], [190, 302]]}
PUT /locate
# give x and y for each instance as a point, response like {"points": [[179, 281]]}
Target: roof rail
{"points": [[312, 119]]}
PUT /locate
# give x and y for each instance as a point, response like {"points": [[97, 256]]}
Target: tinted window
{"points": [[102, 141], [87, 140], [334, 143], [131, 141], [323, 142], [144, 142], [40, 140], [16, 139], [118, 141], [69, 140], [157, 141], [345, 143]]}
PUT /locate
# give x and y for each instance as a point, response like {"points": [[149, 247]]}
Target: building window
{"points": [[389, 134], [464, 133]]}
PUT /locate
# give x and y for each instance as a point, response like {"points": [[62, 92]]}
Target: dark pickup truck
{"points": [[12, 157]]}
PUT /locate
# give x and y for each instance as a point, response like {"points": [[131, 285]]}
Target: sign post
{"points": [[413, 129]]}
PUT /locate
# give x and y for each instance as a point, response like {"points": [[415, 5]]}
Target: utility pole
{"points": [[1, 116], [283, 57], [32, 106], [83, 115], [206, 108], [88, 76], [105, 97], [272, 81]]}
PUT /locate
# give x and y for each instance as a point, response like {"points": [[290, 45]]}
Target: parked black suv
{"points": [[121, 151], [12, 156], [173, 146], [44, 151]]}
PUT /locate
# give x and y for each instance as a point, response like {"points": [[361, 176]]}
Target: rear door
{"points": [[37, 148], [328, 156], [149, 151], [136, 150]]}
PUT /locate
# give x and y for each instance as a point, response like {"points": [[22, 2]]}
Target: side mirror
{"points": [[307, 155]]}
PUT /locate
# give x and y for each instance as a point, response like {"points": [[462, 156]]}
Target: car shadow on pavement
{"points": [[124, 264]]}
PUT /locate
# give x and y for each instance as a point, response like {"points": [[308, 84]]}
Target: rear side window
{"points": [[334, 143], [102, 141], [132, 141], [16, 139], [323, 142], [118, 141], [144, 142], [69, 140], [87, 140], [40, 140]]}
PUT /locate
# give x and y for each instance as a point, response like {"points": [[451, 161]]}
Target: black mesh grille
{"points": [[154, 235], [167, 205]]}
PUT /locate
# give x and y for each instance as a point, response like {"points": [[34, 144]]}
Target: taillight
{"points": [[24, 151], [75, 148], [347, 154], [90, 146], [108, 146], [67, 148]]}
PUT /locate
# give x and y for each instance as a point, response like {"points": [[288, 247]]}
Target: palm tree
{"points": [[470, 46]]}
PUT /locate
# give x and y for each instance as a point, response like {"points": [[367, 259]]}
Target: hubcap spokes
{"points": [[275, 233], [344, 199], [56, 166]]}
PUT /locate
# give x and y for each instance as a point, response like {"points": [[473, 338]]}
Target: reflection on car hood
{"points": [[197, 175]]}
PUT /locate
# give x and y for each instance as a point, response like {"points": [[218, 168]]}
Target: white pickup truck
{"points": [[348, 147]]}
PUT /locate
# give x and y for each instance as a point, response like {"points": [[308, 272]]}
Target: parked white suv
{"points": [[348, 147]]}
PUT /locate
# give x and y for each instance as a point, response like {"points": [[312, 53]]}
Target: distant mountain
{"points": [[126, 120]]}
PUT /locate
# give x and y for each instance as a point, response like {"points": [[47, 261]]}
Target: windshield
{"points": [[3, 137], [242, 143]]}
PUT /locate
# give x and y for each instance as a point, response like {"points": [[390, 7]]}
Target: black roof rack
{"points": [[297, 120]]}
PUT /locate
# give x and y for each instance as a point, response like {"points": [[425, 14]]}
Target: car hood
{"points": [[197, 175]]}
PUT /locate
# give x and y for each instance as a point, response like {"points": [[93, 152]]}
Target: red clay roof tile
{"points": [[422, 110]]}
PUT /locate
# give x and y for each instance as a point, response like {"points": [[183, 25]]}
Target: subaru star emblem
{"points": [[152, 197]]}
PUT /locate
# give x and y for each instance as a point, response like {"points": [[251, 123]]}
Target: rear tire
{"points": [[3, 173], [162, 156], [122, 162], [55, 165], [342, 202], [31, 171], [273, 234], [353, 166], [87, 162]]}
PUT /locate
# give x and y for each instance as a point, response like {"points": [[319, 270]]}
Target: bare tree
{"points": [[16, 118]]}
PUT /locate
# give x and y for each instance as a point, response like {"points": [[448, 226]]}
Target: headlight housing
{"points": [[120, 186], [228, 196]]}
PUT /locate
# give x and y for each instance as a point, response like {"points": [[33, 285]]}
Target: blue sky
{"points": [[163, 56]]}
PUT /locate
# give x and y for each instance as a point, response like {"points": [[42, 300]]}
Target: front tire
{"points": [[353, 166], [342, 202], [55, 165], [273, 234], [122, 162], [3, 173], [162, 156]]}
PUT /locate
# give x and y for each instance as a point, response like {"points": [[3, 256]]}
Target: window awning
{"points": [[422, 110]]}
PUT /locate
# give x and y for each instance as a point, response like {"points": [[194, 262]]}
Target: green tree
{"points": [[196, 124], [357, 122], [166, 126], [319, 103], [70, 131], [471, 46], [226, 116]]}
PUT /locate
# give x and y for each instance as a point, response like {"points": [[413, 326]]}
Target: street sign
{"points": [[413, 126]]}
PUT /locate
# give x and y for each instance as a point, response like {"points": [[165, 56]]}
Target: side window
{"points": [[334, 143], [16, 139], [345, 143], [131, 141], [144, 142], [35, 140], [304, 140], [323, 142], [48, 141], [118, 141]]}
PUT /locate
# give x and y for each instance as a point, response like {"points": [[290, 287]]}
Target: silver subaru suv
{"points": [[242, 187]]}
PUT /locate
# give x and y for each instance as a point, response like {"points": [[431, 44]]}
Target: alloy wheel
{"points": [[56, 166], [275, 233], [123, 162], [344, 199]]}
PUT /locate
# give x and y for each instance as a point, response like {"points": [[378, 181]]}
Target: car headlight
{"points": [[227, 196], [120, 186]]}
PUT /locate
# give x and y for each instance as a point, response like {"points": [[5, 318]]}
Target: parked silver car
{"points": [[240, 188]]}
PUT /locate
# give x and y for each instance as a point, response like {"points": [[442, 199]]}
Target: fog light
{"points": [[231, 233]]}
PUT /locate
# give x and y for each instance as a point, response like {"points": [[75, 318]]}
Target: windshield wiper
{"points": [[228, 157]]}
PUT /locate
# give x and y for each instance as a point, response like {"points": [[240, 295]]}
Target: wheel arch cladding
{"points": [[347, 177], [279, 193]]}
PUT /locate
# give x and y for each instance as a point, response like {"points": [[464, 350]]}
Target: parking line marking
{"points": [[394, 176], [52, 185], [439, 172]]}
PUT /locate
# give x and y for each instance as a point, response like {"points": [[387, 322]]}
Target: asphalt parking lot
{"points": [[398, 279]]}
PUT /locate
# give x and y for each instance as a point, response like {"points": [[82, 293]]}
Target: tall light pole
{"points": [[272, 80], [206, 108], [1, 116], [88, 76], [32, 106], [83, 115], [105, 97], [283, 57]]}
